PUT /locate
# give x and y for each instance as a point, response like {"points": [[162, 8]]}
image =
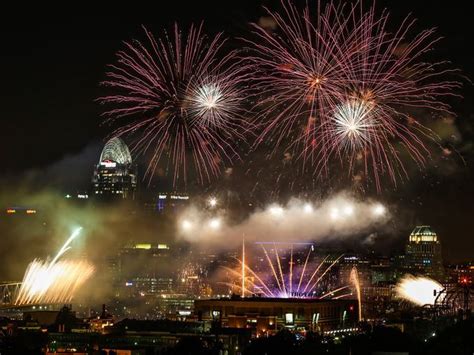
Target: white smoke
{"points": [[336, 217]]}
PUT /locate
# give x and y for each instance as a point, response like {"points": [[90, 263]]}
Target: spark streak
{"points": [[55, 281], [418, 290]]}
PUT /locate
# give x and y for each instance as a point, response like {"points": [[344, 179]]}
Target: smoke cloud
{"points": [[336, 217]]}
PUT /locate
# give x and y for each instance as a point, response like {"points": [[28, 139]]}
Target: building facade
{"points": [[268, 315], [423, 253], [115, 176]]}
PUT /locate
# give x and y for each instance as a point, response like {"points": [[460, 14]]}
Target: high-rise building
{"points": [[115, 176], [423, 253], [146, 269], [171, 202]]}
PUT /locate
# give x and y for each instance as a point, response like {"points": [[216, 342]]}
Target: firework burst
{"points": [[181, 100], [339, 85], [298, 76]]}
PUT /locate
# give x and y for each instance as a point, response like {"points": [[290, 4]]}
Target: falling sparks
{"points": [[283, 284], [180, 100], [55, 281], [45, 282], [418, 290], [340, 87]]}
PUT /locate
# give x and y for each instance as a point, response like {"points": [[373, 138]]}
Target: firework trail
{"points": [[418, 290], [342, 88], [181, 100], [354, 278], [281, 284], [55, 281]]}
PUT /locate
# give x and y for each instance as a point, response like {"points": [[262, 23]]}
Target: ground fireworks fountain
{"points": [[418, 290], [355, 280], [281, 283], [54, 281]]}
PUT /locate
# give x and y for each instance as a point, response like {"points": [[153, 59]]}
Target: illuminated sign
{"points": [[108, 164], [30, 211], [143, 246], [163, 246], [128, 284], [173, 197], [289, 318], [82, 196], [11, 210], [184, 313], [178, 197]]}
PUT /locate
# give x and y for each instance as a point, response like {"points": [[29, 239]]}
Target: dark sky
{"points": [[52, 60]]}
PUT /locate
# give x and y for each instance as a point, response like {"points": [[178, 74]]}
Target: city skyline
{"points": [[63, 163], [245, 177]]}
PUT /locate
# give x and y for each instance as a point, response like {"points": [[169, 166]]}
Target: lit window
{"points": [[289, 318]]}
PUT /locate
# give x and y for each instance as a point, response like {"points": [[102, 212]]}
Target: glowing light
{"points": [[208, 103], [186, 225], [276, 211], [379, 210], [334, 213], [353, 124], [308, 208], [143, 246], [418, 290], [348, 210], [215, 223], [213, 202]]}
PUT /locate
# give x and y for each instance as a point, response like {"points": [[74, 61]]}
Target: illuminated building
{"points": [[145, 269], [79, 196], [115, 176], [20, 210], [268, 315], [171, 202], [461, 272], [423, 253]]}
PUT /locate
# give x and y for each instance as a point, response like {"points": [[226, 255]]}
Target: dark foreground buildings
{"points": [[269, 315]]}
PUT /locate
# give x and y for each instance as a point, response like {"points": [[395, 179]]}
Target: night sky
{"points": [[51, 65]]}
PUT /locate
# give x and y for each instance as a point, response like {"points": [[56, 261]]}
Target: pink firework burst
{"points": [[299, 75], [181, 100], [339, 85]]}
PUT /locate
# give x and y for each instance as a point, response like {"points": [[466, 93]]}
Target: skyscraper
{"points": [[115, 176], [423, 253]]}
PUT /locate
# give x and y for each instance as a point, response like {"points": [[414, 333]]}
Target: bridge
{"points": [[456, 299], [8, 294]]}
